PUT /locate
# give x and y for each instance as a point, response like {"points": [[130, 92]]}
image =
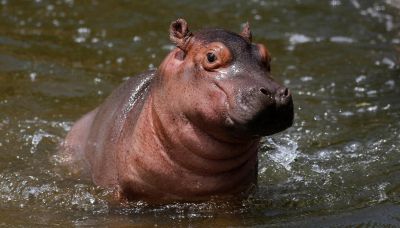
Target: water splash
{"points": [[284, 152]]}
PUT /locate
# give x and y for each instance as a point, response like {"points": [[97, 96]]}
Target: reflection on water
{"points": [[337, 165]]}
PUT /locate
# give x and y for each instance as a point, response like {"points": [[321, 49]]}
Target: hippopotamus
{"points": [[191, 128]]}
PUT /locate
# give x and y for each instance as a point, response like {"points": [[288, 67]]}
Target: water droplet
{"points": [[361, 78], [372, 93], [120, 60], [386, 107], [50, 7], [83, 34], [79, 39], [95, 40], [355, 3], [306, 78], [390, 83], [32, 76], [395, 41], [136, 39], [382, 193], [341, 39], [390, 63], [372, 108], [56, 23], [346, 113], [335, 3], [295, 39], [168, 47], [359, 89], [97, 80]]}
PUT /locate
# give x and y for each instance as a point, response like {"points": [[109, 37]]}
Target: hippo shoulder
{"points": [[131, 90], [120, 109], [128, 97]]}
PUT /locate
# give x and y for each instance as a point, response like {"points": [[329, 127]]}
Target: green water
{"points": [[338, 165]]}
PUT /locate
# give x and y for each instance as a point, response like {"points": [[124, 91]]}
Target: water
{"points": [[338, 164]]}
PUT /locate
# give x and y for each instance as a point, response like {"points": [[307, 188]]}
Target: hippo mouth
{"points": [[271, 120], [254, 117], [266, 122]]}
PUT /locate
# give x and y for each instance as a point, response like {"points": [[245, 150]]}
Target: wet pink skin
{"points": [[171, 134]]}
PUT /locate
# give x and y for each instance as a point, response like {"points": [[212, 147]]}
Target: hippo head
{"points": [[221, 82]]}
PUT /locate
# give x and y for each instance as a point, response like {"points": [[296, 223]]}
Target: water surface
{"points": [[338, 164]]}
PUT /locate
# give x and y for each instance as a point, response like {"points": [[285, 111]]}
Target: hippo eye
{"points": [[214, 56], [211, 57]]}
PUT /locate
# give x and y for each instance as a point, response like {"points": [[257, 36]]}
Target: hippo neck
{"points": [[194, 149], [175, 155]]}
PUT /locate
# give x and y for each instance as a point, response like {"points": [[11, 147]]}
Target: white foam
{"points": [[285, 153], [341, 39]]}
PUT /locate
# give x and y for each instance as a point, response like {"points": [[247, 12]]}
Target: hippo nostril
{"points": [[264, 91], [268, 94], [283, 92]]}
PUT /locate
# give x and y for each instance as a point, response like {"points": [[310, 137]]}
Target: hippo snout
{"points": [[263, 110], [282, 96], [273, 111]]}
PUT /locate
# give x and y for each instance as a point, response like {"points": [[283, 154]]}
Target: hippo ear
{"points": [[179, 33], [246, 32]]}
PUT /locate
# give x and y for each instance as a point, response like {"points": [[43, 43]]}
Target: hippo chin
{"points": [[190, 129]]}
